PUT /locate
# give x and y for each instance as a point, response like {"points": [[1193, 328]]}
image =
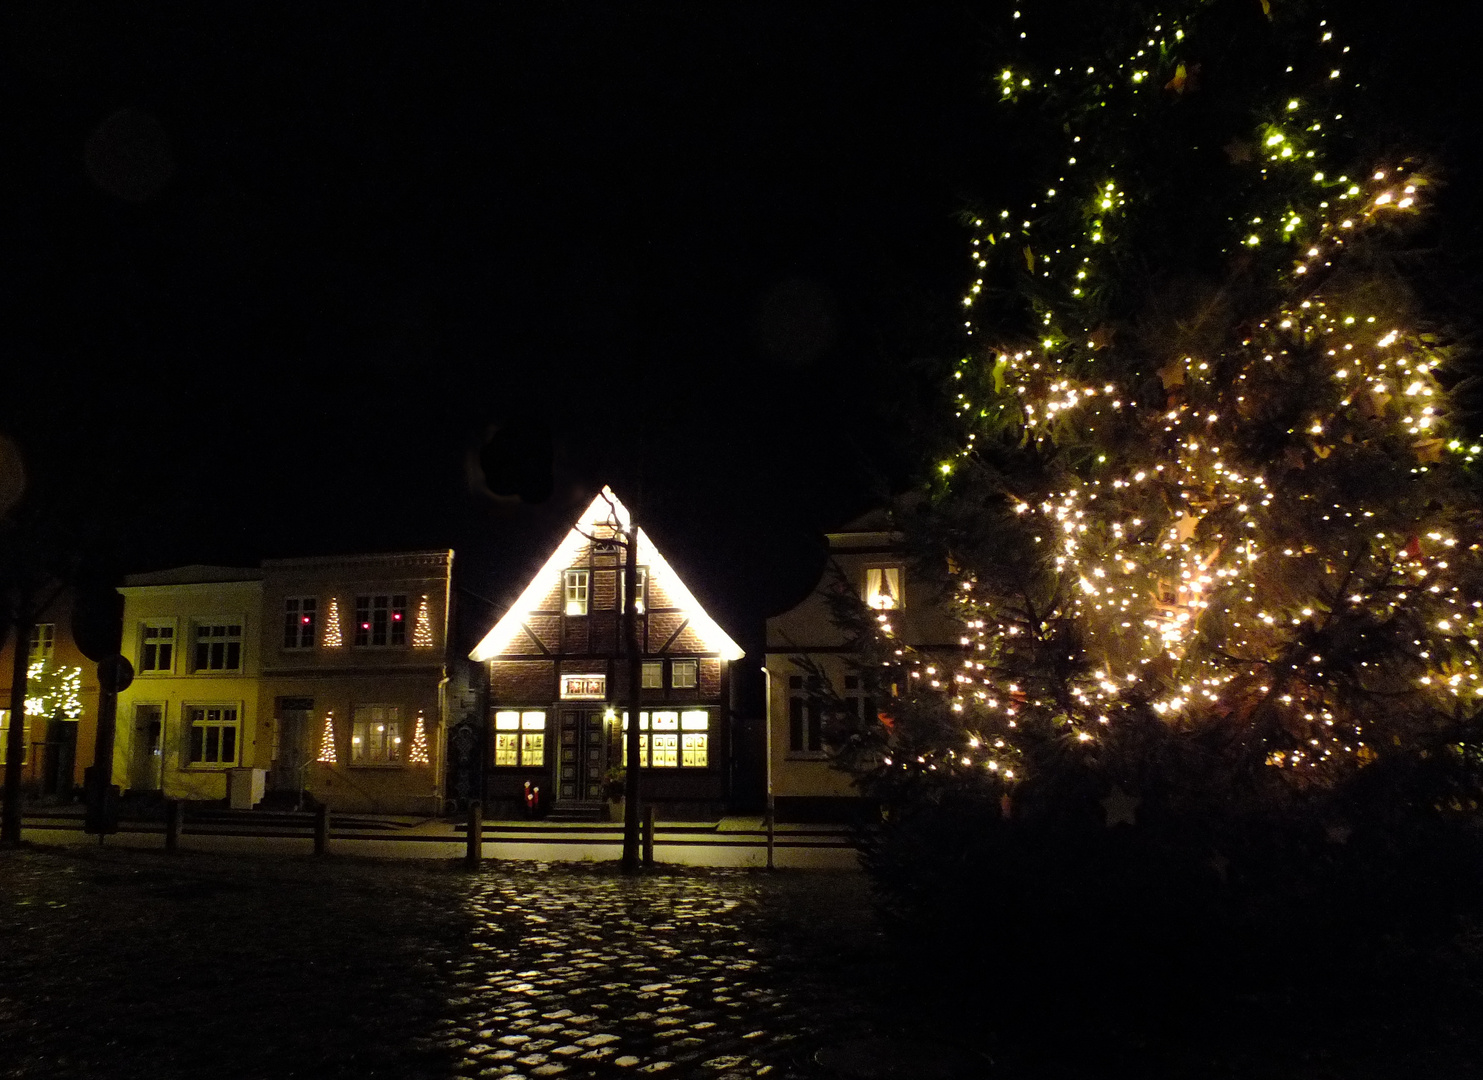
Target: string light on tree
{"points": [[422, 630], [327, 754], [418, 755], [333, 637]]}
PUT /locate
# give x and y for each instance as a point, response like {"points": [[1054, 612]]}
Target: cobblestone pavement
{"points": [[125, 963]]}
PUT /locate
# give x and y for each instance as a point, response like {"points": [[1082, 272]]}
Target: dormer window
{"points": [[883, 588], [574, 588]]}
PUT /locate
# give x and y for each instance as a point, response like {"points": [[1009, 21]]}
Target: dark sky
{"points": [[277, 270]]}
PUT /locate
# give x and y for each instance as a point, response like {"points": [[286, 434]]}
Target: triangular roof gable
{"points": [[606, 509]]}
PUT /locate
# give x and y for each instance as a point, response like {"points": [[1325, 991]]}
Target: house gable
{"points": [[534, 624]]}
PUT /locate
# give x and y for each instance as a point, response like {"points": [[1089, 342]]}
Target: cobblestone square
{"points": [[121, 963]]}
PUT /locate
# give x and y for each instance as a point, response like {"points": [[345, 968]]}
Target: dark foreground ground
{"points": [[119, 963]]}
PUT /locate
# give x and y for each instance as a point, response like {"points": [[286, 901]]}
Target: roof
{"points": [[197, 574], [606, 509]]}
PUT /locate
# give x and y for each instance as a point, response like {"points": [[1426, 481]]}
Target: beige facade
{"points": [[354, 679], [807, 654], [192, 713]]}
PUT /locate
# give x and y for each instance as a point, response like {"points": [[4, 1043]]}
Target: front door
{"points": [[144, 769], [290, 744], [584, 754]]}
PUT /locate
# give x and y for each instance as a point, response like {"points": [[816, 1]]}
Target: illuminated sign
{"points": [[584, 687]]}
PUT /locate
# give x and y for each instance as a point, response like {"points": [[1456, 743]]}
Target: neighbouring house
{"points": [[806, 650], [354, 679], [558, 681], [191, 715], [319, 677], [61, 713]]}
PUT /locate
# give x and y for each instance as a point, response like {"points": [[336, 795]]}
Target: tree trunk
{"points": [[631, 810], [15, 743]]}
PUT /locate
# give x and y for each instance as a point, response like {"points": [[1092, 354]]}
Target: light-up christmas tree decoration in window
{"points": [[327, 741], [422, 631], [418, 754], [333, 638]]}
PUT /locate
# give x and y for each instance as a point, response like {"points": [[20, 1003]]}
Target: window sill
{"points": [[383, 765], [210, 767], [807, 755]]}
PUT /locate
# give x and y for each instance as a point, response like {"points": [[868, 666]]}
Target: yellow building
{"points": [[191, 715], [809, 662]]}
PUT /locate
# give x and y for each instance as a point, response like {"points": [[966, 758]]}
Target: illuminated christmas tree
{"points": [[1209, 526], [53, 691], [333, 638], [327, 754], [422, 630], [419, 742]]}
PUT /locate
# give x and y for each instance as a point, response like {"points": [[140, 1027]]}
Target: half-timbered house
{"points": [[558, 681]]}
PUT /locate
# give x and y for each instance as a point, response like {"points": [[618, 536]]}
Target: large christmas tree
{"points": [[1211, 532]]}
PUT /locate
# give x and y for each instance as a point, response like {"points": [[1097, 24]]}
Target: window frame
{"points": [[887, 575], [191, 721], [690, 665], [393, 748], [300, 623], [42, 644], [677, 733], [144, 643], [526, 738], [643, 590], [226, 623], [576, 591], [380, 621], [5, 737], [652, 675], [805, 719]]}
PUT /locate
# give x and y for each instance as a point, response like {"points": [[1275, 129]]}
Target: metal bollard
{"points": [[474, 841], [649, 835], [321, 829], [174, 819]]}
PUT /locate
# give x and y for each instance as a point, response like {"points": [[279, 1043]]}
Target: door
{"points": [[584, 754], [144, 768], [290, 744]]}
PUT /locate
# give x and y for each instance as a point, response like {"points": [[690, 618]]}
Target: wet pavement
{"points": [[119, 963]]}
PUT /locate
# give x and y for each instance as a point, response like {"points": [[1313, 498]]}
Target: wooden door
{"points": [[584, 755]]}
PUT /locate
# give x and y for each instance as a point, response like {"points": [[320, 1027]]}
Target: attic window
{"points": [[883, 587], [575, 592]]}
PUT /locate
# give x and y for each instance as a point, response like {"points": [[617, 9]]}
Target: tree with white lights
{"points": [[1211, 531]]}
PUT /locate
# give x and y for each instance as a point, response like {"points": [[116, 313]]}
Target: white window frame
{"points": [[576, 591], [678, 681], [43, 642], [643, 575], [300, 622], [376, 736], [883, 587], [805, 720], [653, 675], [226, 639], [218, 716], [670, 738], [173, 644], [520, 738]]}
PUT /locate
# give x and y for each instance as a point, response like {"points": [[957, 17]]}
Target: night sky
{"points": [[277, 272]]}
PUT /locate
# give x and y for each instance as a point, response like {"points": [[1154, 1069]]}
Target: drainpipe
{"points": [[767, 758]]}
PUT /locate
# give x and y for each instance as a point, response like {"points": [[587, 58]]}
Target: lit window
{"points": [[695, 739], [376, 735], [300, 616], [683, 673], [212, 731], [218, 647], [5, 737], [157, 647], [653, 675], [43, 637], [643, 589], [381, 620], [574, 585], [883, 587], [520, 737]]}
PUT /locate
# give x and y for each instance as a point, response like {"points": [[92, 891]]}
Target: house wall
{"points": [[337, 675], [805, 785], [182, 608], [57, 750]]}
